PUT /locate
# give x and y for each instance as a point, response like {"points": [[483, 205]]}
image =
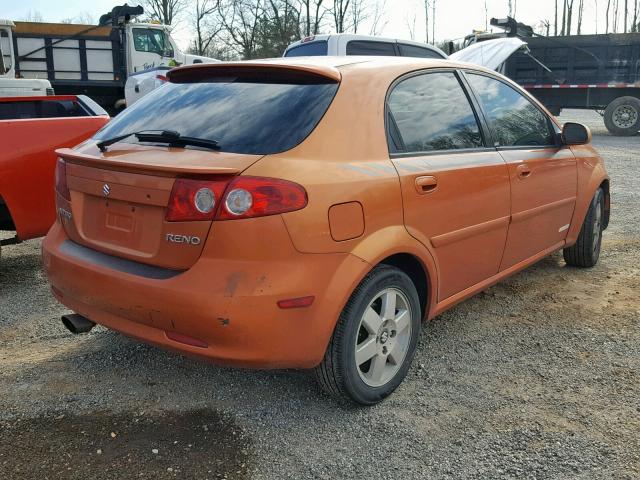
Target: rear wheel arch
{"points": [[416, 271]]}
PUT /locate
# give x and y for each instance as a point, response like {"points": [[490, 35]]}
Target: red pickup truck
{"points": [[31, 129]]}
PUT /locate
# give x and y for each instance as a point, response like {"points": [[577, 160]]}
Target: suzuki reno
{"points": [[311, 212]]}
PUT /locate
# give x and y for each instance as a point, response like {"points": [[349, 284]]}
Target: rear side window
{"points": [[432, 112], [311, 49], [513, 119], [367, 47], [418, 52], [245, 111]]}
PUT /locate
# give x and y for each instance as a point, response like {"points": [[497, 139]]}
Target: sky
{"points": [[454, 18]]}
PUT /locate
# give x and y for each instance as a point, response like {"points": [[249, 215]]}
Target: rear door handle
{"points": [[523, 170], [426, 184]]}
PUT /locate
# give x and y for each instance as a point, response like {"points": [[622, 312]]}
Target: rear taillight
{"points": [[61, 179], [195, 199], [248, 197], [226, 199]]}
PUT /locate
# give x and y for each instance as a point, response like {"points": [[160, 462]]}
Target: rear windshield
{"points": [[311, 49], [253, 114]]}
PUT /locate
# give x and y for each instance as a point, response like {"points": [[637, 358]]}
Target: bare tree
{"points": [[411, 25], [340, 11], [486, 16], [569, 4], [555, 20], [606, 20], [596, 12], [433, 21], [564, 17], [241, 22], [580, 11], [426, 19], [83, 18], [634, 25], [207, 25], [378, 18], [358, 14], [165, 11], [615, 16], [314, 14], [626, 12], [33, 16]]}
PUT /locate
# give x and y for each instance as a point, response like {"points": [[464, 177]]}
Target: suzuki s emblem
{"points": [[106, 190]]}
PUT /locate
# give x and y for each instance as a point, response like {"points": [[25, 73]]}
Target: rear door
{"points": [[542, 172], [455, 189]]}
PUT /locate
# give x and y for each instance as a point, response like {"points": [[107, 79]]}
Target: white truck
{"points": [[341, 44], [10, 86], [95, 60]]}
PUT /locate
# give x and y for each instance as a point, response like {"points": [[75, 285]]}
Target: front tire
{"points": [[586, 251], [374, 341], [622, 116]]}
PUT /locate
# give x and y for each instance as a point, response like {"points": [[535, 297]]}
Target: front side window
{"points": [[432, 112], [513, 119], [150, 40], [368, 47], [245, 111]]}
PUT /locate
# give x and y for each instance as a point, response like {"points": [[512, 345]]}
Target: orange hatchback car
{"points": [[310, 213]]}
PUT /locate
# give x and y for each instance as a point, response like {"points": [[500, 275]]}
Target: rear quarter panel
{"points": [[591, 174], [27, 166]]}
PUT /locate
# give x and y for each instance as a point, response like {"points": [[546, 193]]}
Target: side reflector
{"points": [[299, 302], [178, 337]]}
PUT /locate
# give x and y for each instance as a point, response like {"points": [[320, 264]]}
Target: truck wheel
{"points": [[622, 116], [375, 338], [585, 252]]}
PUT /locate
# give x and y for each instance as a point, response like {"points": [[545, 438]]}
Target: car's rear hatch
{"points": [[119, 201], [120, 194]]}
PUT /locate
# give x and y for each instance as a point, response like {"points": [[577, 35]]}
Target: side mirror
{"points": [[575, 134]]}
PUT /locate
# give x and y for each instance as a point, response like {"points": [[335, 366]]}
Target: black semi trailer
{"points": [[596, 72]]}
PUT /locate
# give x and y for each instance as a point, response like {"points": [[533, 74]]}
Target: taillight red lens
{"points": [[61, 179], [195, 199], [226, 199], [249, 197]]}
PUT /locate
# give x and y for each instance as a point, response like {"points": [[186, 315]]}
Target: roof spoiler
{"points": [[299, 72]]}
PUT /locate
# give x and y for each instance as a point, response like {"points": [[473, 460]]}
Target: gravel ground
{"points": [[538, 377]]}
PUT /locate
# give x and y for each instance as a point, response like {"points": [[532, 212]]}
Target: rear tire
{"points": [[586, 251], [622, 116], [374, 341]]}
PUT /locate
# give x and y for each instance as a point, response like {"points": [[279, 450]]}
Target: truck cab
{"points": [[10, 86], [150, 45]]}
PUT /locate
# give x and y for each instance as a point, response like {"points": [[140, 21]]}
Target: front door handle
{"points": [[523, 170], [426, 184]]}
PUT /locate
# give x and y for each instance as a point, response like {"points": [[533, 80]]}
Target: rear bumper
{"points": [[226, 300]]}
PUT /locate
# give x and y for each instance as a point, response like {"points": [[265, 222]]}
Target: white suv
{"points": [[346, 44]]}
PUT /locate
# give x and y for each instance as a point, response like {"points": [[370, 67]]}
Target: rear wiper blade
{"points": [[174, 139], [110, 141], [171, 137]]}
